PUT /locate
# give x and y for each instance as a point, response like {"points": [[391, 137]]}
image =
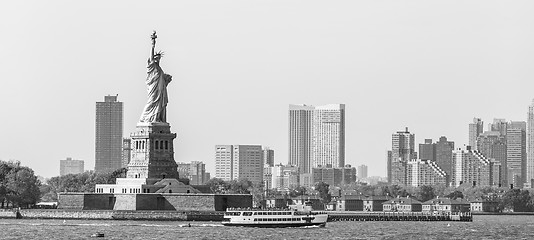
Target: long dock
{"points": [[336, 216]]}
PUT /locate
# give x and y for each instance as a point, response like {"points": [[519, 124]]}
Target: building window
{"points": [[161, 144], [156, 143], [166, 144]]}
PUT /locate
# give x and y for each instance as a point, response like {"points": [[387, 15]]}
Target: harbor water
{"points": [[482, 227]]}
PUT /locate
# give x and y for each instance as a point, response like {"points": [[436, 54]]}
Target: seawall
{"points": [[114, 215]]}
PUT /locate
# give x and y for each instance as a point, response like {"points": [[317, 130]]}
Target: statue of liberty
{"points": [[156, 81]]}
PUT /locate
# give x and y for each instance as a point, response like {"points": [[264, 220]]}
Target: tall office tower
{"points": [[126, 151], [268, 156], [443, 159], [362, 171], [516, 161], [267, 176], [471, 167], [493, 145], [316, 136], [334, 176], [475, 129], [425, 172], [108, 134], [70, 166], [284, 177], [427, 150], [530, 145], [233, 162], [499, 125], [197, 173], [388, 167], [402, 151], [183, 169]]}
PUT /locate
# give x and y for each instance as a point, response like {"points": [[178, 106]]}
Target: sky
{"points": [[431, 66]]}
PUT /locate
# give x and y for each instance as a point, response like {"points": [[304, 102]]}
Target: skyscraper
{"points": [[316, 136], [70, 166], [493, 145], [516, 153], [427, 150], [233, 162], [402, 151], [530, 145], [475, 129], [444, 150], [362, 171], [472, 168], [425, 172], [126, 151], [268, 156], [108, 135]]}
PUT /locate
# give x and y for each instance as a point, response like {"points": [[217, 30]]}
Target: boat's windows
{"points": [[247, 213]]}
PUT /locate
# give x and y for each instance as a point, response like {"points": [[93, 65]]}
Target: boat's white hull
{"points": [[311, 220]]}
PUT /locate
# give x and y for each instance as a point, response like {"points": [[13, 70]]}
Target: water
{"points": [[482, 227]]}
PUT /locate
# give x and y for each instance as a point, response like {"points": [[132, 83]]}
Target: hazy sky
{"points": [[428, 65]]}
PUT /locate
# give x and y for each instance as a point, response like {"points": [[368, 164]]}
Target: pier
{"points": [[399, 216]]}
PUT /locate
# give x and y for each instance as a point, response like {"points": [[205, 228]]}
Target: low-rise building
{"points": [[484, 206], [446, 205], [402, 204], [374, 203], [350, 203]]}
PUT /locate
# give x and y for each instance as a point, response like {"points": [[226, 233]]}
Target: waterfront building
{"points": [[530, 146], [108, 135], [425, 172], [402, 204], [480, 205], [403, 143], [268, 156], [70, 166], [126, 152], [516, 159], [374, 203], [472, 168], [233, 162], [475, 129], [445, 206], [427, 150], [316, 136], [362, 171]]}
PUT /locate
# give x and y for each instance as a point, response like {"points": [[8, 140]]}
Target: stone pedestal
{"points": [[152, 154]]}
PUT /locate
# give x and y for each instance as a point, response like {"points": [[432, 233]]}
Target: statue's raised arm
{"points": [[153, 37], [156, 81]]}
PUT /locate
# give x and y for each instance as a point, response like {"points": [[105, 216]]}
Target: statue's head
{"points": [[158, 56]]}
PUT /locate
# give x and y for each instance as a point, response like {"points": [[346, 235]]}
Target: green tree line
{"points": [[19, 187]]}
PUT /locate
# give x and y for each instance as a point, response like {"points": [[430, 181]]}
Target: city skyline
{"points": [[384, 63]]}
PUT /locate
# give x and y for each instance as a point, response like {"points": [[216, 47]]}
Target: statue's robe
{"points": [[156, 81]]}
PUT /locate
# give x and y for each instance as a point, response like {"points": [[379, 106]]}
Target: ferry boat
{"points": [[273, 218]]}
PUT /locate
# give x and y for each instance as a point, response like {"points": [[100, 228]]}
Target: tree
{"points": [[241, 186], [425, 193], [23, 187], [218, 185], [324, 191], [455, 195], [516, 200]]}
